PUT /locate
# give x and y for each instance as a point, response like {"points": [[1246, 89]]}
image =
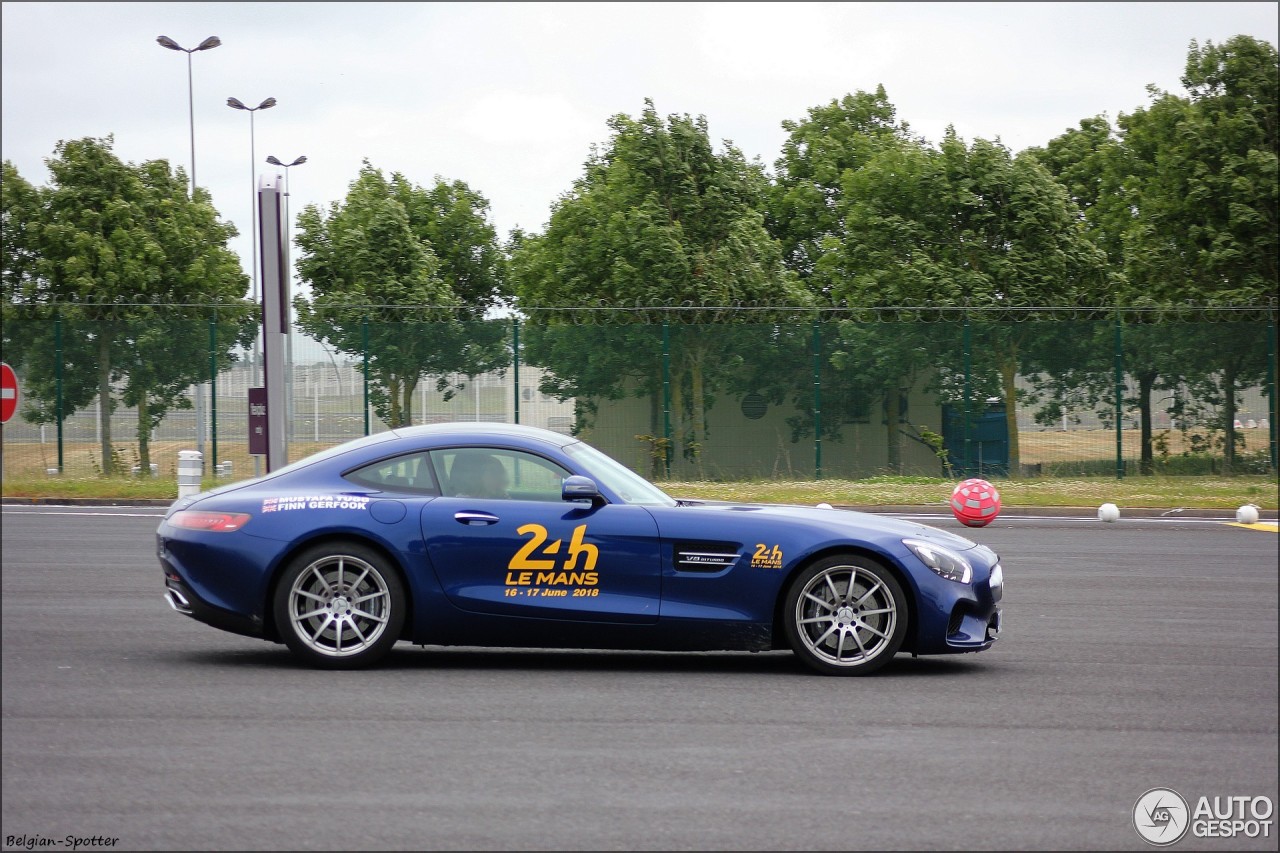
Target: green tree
{"points": [[817, 191], [375, 280], [101, 247], [1203, 183], [658, 220], [20, 205], [197, 284], [963, 226], [32, 319], [807, 198], [453, 220]]}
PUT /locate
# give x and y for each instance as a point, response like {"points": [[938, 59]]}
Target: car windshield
{"points": [[617, 478]]}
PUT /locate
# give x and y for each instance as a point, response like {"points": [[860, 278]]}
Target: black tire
{"points": [[339, 605], [838, 633]]}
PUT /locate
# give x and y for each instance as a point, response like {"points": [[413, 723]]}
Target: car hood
{"points": [[851, 520]]}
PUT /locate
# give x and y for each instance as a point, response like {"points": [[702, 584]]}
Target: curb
{"points": [[86, 501]]}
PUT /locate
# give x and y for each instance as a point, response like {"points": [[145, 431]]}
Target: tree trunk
{"points": [[890, 401], [699, 403], [679, 440], [393, 403], [1008, 373], [1229, 417], [1146, 381], [407, 388], [144, 437], [657, 470], [104, 397]]}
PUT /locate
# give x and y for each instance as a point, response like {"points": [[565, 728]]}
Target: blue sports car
{"points": [[499, 535]]}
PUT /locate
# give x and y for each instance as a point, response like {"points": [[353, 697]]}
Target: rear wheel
{"points": [[340, 606], [846, 615]]}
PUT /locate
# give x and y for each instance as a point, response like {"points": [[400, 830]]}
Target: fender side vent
{"points": [[707, 557]]}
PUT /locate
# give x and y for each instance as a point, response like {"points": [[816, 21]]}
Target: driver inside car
{"points": [[479, 476]]}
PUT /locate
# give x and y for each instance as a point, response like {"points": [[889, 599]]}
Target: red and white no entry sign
{"points": [[8, 392]]}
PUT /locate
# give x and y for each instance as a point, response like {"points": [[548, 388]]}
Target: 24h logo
{"points": [[1161, 816]]}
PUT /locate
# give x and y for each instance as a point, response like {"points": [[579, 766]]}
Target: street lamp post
{"points": [[207, 44], [288, 300], [210, 42], [236, 104]]}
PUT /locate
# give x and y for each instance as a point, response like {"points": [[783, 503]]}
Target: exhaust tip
{"points": [[177, 601]]}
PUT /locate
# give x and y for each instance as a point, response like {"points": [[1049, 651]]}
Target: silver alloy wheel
{"points": [[846, 615], [339, 605]]}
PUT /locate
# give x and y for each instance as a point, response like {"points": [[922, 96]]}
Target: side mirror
{"points": [[579, 488]]}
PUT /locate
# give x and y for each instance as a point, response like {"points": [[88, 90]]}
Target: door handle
{"points": [[471, 517]]}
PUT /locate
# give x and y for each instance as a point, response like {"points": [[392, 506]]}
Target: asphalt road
{"points": [[1135, 655]]}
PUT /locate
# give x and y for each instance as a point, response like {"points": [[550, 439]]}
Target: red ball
{"points": [[975, 503]]}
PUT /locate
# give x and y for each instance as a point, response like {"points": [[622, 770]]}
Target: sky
{"points": [[510, 97]]}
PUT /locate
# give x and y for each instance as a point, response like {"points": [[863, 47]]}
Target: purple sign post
{"points": [[258, 429], [275, 318]]}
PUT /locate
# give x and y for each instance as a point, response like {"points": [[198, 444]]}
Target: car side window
{"points": [[410, 474], [492, 473]]}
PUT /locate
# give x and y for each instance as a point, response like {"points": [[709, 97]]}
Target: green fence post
{"points": [[1271, 388], [57, 370], [364, 330], [515, 361], [1119, 370], [666, 396], [213, 387], [966, 345], [817, 400]]}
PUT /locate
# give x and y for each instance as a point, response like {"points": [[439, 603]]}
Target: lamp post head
{"points": [[271, 158], [236, 103], [299, 161], [210, 42]]}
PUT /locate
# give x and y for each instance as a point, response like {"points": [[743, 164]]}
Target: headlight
{"points": [[943, 561]]}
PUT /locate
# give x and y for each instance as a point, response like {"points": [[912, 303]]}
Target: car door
{"points": [[506, 543]]}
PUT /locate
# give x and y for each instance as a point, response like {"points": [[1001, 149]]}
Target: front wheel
{"points": [[846, 615], [339, 606]]}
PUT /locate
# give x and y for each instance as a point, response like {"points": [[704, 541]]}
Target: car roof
{"points": [[480, 429]]}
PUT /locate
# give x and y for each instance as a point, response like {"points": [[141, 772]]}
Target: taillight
{"points": [[214, 522]]}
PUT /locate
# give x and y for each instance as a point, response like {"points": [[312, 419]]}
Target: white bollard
{"points": [[190, 470], [1247, 514]]}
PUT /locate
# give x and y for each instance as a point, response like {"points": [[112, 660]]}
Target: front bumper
{"points": [[957, 618]]}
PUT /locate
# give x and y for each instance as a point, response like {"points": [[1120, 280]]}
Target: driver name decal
{"points": [[541, 564], [313, 502]]}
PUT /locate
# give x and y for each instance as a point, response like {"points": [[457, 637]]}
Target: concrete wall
{"points": [[739, 447]]}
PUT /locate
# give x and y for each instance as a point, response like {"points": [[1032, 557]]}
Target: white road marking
{"points": [[53, 509]]}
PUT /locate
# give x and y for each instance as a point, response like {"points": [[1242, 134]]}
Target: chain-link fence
{"points": [[675, 394]]}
